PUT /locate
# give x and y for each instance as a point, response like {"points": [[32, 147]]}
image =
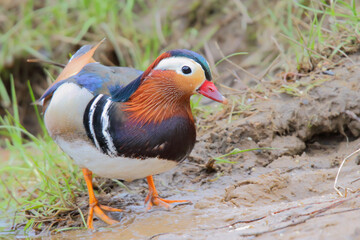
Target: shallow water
{"points": [[264, 202], [211, 214], [182, 221]]}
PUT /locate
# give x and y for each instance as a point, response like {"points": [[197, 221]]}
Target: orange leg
{"points": [[94, 206], [153, 197]]}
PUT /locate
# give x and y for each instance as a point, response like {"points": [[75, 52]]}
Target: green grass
{"points": [[299, 88], [37, 181], [316, 30], [79, 22], [49, 30], [235, 151]]}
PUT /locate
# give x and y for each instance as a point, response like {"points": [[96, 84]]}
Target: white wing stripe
{"points": [[105, 129], [91, 118]]}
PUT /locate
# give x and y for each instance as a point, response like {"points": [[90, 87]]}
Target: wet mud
{"points": [[281, 193]]}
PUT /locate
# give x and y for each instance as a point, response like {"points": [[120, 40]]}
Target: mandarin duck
{"points": [[122, 123]]}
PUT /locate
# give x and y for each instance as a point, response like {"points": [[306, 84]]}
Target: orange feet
{"points": [[153, 197], [94, 206]]}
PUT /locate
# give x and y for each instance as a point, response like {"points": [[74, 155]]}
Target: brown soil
{"points": [[284, 193]]}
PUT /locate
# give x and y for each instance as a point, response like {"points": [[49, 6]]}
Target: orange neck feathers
{"points": [[158, 99]]}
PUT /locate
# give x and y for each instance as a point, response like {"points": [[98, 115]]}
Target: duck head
{"points": [[189, 73], [168, 83]]}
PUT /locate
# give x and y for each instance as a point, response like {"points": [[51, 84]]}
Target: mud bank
{"points": [[283, 193]]}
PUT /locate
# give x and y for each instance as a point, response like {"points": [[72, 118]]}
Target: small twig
{"points": [[352, 115], [333, 205], [343, 53], [338, 173], [35, 60], [236, 65], [306, 25], [210, 58], [353, 181], [13, 221], [33, 195], [231, 111], [159, 234], [238, 222], [310, 216], [158, 28], [338, 212], [9, 192], [315, 203], [270, 67], [295, 74], [281, 50], [206, 229], [230, 88], [250, 90]]}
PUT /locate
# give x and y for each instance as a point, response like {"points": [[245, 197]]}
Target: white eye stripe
{"points": [[176, 64]]}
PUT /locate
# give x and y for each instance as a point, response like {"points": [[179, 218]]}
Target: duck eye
{"points": [[186, 69]]}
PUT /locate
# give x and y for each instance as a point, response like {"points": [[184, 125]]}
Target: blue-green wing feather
{"points": [[118, 82]]}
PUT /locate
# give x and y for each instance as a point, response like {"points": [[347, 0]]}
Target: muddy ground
{"points": [[283, 193]]}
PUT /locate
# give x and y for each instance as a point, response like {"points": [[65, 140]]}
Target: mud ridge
{"points": [[291, 124]]}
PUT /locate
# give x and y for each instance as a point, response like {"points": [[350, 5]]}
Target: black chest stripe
{"points": [[96, 123], [171, 139]]}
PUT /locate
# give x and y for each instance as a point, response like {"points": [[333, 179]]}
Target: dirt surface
{"points": [[283, 193]]}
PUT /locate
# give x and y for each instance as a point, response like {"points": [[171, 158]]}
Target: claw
{"points": [[153, 199], [94, 206]]}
